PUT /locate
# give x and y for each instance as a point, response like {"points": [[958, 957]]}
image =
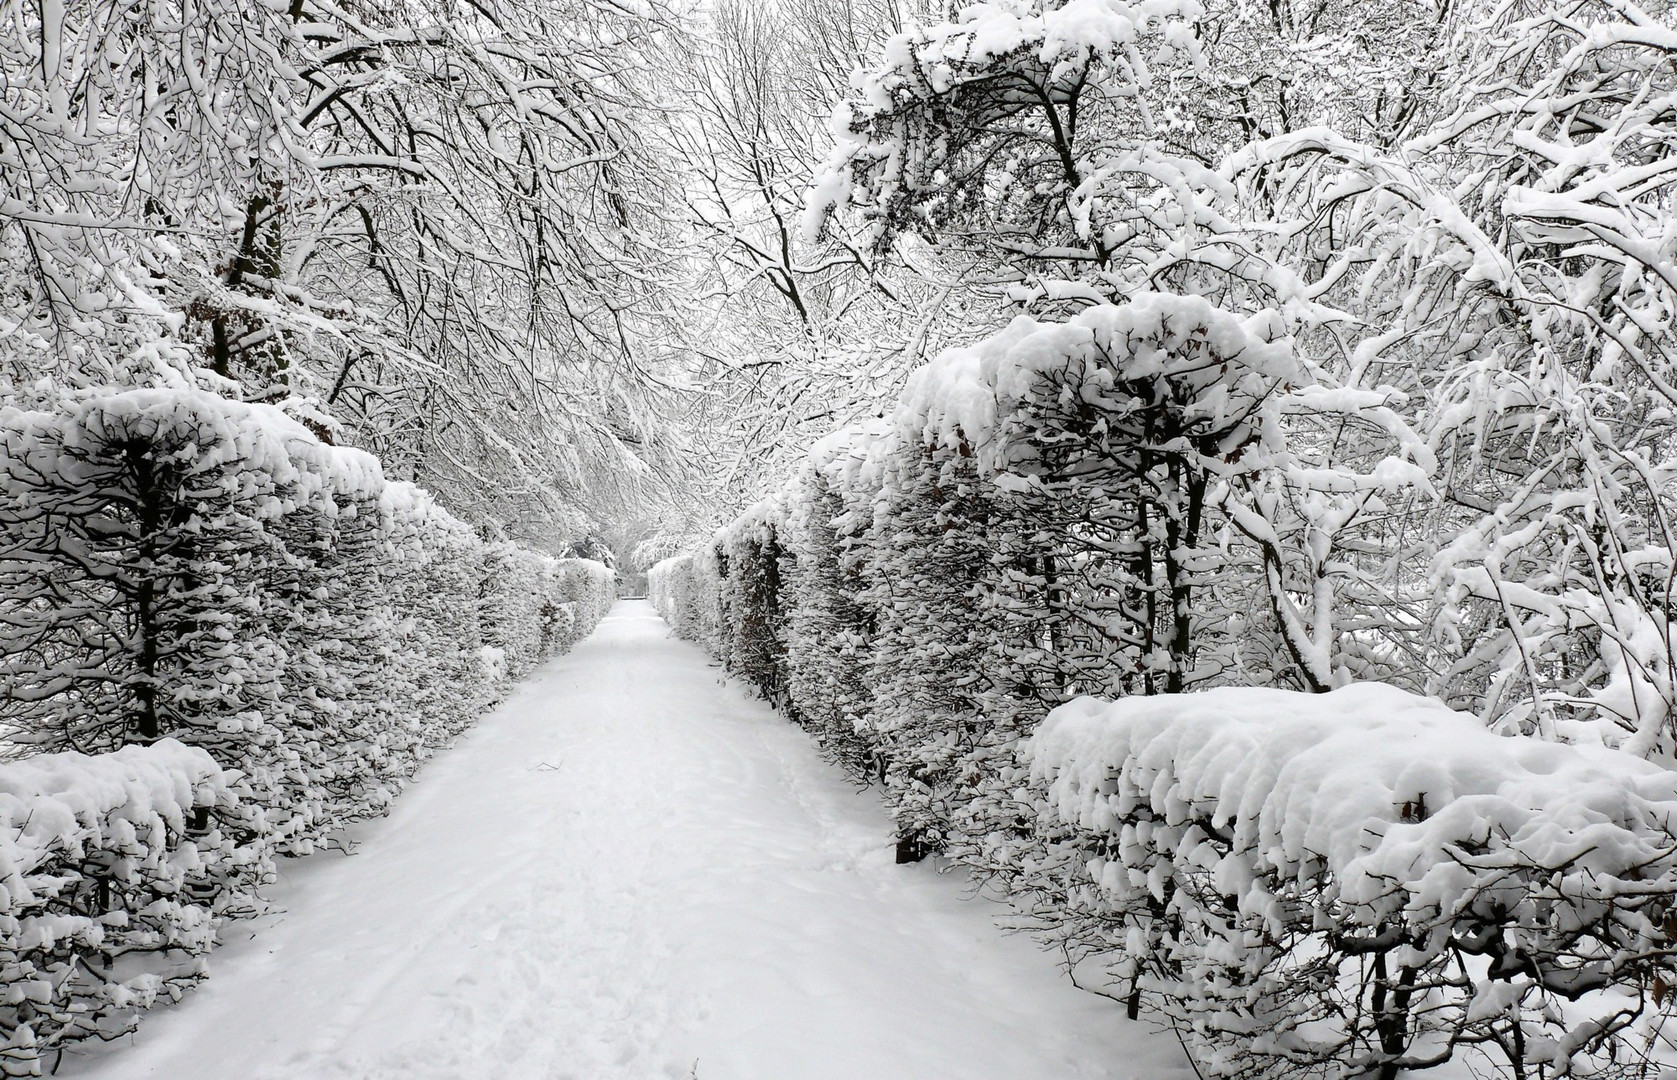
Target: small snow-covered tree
{"points": [[1054, 144]]}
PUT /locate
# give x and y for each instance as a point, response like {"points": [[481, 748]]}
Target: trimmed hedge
{"points": [[1365, 881], [1052, 514], [114, 870], [200, 599], [176, 564]]}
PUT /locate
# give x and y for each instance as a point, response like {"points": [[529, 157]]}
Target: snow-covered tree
{"points": [[439, 221], [797, 336], [1503, 275]]}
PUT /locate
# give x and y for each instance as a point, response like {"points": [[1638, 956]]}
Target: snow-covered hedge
{"points": [[1090, 508], [113, 871], [1365, 880], [586, 591], [751, 626], [685, 590], [829, 628], [179, 570], [669, 585], [176, 563], [1039, 516], [439, 662]]}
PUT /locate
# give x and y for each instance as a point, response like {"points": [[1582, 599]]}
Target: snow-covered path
{"points": [[631, 871]]}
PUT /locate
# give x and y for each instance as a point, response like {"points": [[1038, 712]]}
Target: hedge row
{"points": [[173, 563], [1033, 521], [1042, 518], [178, 570]]}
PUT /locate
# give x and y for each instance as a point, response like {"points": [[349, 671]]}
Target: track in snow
{"points": [[630, 871]]}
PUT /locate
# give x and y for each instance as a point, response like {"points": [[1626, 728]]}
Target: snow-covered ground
{"points": [[629, 872]]}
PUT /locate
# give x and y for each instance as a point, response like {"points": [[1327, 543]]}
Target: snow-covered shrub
{"points": [[434, 593], [149, 590], [1046, 525], [686, 591], [752, 630], [211, 572], [136, 543], [513, 593], [212, 580], [829, 629], [587, 589], [927, 667], [1082, 461], [709, 573], [1366, 880], [350, 729], [113, 871], [669, 586], [575, 596], [1104, 441], [558, 612]]}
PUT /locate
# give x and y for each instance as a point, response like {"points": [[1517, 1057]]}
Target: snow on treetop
{"points": [[1375, 785], [1223, 364], [1064, 39], [1067, 42]]}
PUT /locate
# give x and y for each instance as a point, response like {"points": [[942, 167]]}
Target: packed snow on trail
{"points": [[630, 870]]}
